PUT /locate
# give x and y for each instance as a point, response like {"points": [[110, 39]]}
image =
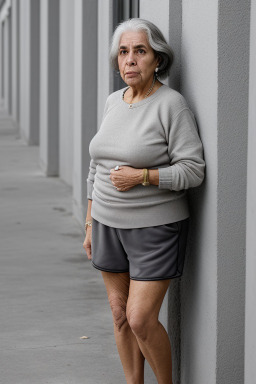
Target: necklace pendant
{"points": [[130, 105]]}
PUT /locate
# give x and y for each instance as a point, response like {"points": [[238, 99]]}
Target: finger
{"points": [[88, 252]]}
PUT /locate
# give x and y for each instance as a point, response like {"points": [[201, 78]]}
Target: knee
{"points": [[140, 323], [118, 308]]}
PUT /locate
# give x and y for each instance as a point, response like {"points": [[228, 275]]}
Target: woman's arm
{"points": [[88, 238], [89, 209], [186, 155], [153, 176]]}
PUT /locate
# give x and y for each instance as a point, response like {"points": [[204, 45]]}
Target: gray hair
{"points": [[156, 41]]}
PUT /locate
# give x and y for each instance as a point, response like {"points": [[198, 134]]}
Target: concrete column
{"points": [[215, 83], [85, 98], [6, 62], [250, 308], [1, 58], [15, 59], [29, 71], [66, 91], [49, 87], [10, 67], [105, 73]]}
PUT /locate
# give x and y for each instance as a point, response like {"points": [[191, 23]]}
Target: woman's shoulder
{"points": [[173, 98], [115, 96]]}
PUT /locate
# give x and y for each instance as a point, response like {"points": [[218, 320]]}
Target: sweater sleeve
{"points": [[185, 150]]}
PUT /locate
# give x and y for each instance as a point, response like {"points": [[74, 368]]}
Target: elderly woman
{"points": [[144, 157]]}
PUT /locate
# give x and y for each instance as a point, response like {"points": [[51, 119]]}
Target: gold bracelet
{"points": [[87, 224], [145, 178]]}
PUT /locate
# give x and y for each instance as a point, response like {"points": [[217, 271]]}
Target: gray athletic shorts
{"points": [[148, 253]]}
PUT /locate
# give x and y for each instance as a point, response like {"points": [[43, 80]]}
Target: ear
{"points": [[159, 60]]}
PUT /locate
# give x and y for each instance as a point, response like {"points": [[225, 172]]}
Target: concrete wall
{"points": [[29, 71], [49, 87], [1, 57], [34, 74], [199, 85], [215, 83], [105, 74], [24, 95], [85, 99], [250, 313], [66, 91], [204, 310], [6, 63], [233, 74], [15, 60], [9, 59]]}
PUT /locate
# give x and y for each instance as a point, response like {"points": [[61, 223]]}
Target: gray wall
{"points": [[49, 87], [215, 83], [15, 60], [29, 71], [105, 75], [250, 313], [66, 91], [204, 310], [24, 95], [85, 98], [199, 85]]}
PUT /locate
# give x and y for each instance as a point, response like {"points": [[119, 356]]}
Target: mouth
{"points": [[131, 73]]}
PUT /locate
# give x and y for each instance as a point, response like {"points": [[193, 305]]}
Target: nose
{"points": [[131, 59]]}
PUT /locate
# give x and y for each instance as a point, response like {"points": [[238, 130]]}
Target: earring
{"points": [[156, 70]]}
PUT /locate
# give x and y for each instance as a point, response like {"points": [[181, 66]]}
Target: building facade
{"points": [[55, 77]]}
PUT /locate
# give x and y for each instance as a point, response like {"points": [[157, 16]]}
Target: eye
{"points": [[140, 50], [122, 52]]}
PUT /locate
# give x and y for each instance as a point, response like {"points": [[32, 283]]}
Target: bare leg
{"points": [[144, 303], [117, 285]]}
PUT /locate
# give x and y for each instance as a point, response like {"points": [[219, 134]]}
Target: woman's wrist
{"points": [[153, 176]]}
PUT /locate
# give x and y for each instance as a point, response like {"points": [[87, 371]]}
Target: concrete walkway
{"points": [[50, 295]]}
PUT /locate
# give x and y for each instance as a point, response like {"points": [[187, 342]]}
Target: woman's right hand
{"points": [[88, 242]]}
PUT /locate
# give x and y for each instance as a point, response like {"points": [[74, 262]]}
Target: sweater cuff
{"points": [[165, 178], [89, 189]]}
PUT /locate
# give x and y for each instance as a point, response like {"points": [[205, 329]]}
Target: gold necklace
{"points": [[146, 94]]}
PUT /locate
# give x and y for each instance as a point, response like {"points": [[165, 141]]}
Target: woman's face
{"points": [[136, 59]]}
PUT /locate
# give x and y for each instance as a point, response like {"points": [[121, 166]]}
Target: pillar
{"points": [[49, 87], [214, 80], [250, 304], [15, 60], [9, 59], [105, 73], [29, 71], [6, 61], [1, 58], [66, 86], [85, 99]]}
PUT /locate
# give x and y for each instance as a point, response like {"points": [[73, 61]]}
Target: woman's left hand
{"points": [[126, 177]]}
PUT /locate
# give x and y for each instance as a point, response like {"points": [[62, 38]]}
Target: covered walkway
{"points": [[50, 295]]}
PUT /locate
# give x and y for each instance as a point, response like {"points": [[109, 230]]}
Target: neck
{"points": [[135, 93]]}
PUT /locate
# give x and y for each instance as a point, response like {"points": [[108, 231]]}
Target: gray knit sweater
{"points": [[157, 132]]}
